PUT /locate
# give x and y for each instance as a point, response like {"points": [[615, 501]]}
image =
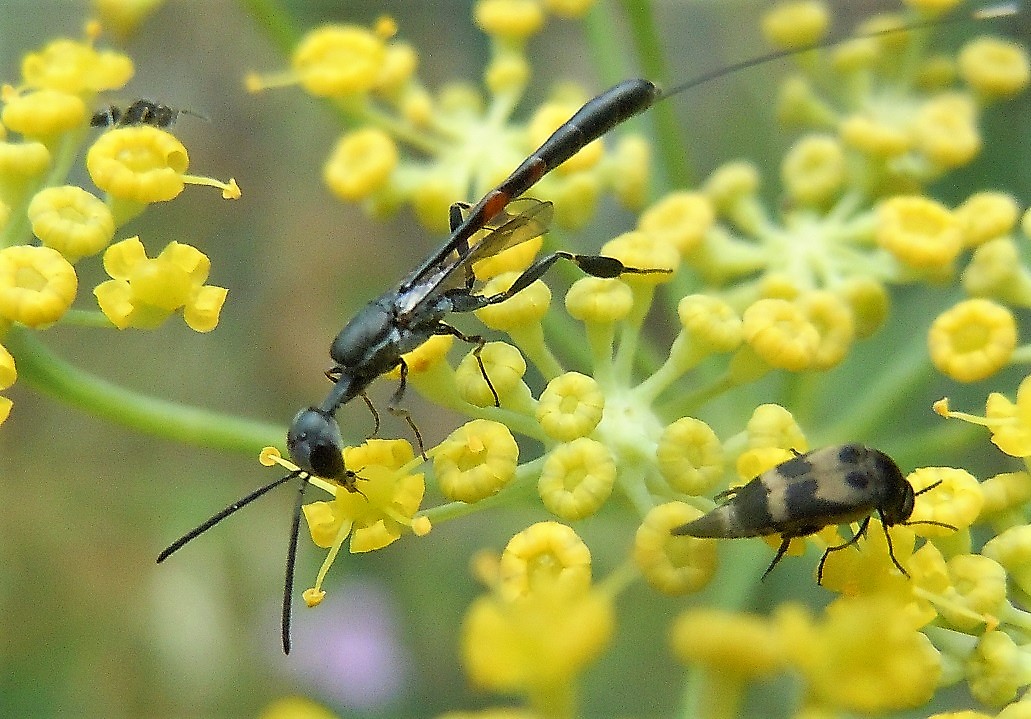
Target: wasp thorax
{"points": [[362, 335], [315, 444]]}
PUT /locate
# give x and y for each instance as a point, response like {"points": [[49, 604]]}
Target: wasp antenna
{"points": [[985, 13], [993, 11], [232, 508], [291, 558]]}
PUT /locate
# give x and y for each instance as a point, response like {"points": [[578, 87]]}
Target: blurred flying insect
{"points": [[401, 319], [840, 484], [140, 112]]}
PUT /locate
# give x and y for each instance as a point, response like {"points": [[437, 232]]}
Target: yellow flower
{"points": [[995, 271], [987, 215], [21, 164], [864, 656], [527, 307], [919, 232], [641, 250], [294, 707], [831, 317], [873, 136], [976, 593], [543, 556], [780, 333], [360, 164], [973, 340], [512, 20], [869, 302], [505, 366], [710, 323], [867, 568], [124, 17], [813, 170], [680, 219], [690, 456], [1004, 493], [507, 73], [577, 478], [476, 461], [537, 643], [738, 644], [673, 564], [143, 164], [945, 130], [144, 292], [957, 500], [37, 285], [389, 496], [796, 24], [933, 6], [998, 669], [1009, 423], [339, 60], [8, 375], [995, 67], [44, 113], [71, 220], [1012, 550], [76, 68], [571, 406], [594, 299], [773, 426]]}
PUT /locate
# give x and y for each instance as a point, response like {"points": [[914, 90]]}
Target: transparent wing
{"points": [[520, 221]]}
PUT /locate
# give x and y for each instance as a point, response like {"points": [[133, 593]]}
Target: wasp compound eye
{"points": [[315, 444]]}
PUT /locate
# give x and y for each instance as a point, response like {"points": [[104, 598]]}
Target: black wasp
{"points": [[140, 112], [405, 316]]}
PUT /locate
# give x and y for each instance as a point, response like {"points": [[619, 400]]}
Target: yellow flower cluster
{"points": [[411, 146], [761, 295], [47, 227]]}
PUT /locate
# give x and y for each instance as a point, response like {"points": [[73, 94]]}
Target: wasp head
{"points": [[315, 445]]}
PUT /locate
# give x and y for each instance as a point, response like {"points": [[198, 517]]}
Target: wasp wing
{"points": [[521, 220]]}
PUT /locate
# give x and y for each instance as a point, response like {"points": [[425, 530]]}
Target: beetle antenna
{"points": [[231, 509], [928, 488]]}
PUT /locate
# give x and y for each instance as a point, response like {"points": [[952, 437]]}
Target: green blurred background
{"points": [[89, 625]]}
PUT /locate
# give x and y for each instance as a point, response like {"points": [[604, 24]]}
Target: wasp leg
{"points": [[593, 265], [784, 542], [860, 533], [445, 329], [456, 217], [393, 406], [375, 414]]}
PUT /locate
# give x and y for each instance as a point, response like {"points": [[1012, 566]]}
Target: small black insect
{"points": [[140, 112], [840, 484]]}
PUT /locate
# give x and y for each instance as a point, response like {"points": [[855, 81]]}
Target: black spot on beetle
{"points": [[797, 467], [849, 454], [857, 480]]}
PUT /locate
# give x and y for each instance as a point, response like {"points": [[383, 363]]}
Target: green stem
{"points": [[673, 151], [276, 22], [910, 372], [45, 372]]}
